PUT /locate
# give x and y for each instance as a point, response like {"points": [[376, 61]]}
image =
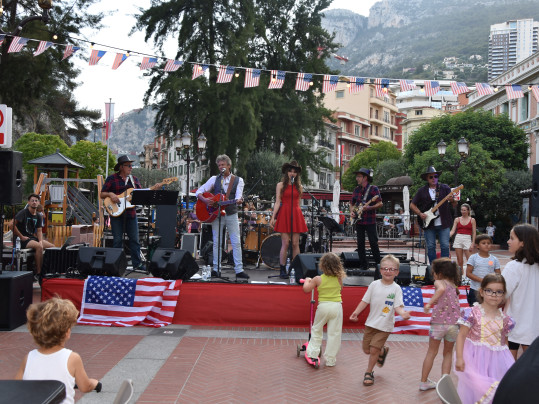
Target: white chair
{"points": [[446, 391], [125, 393]]}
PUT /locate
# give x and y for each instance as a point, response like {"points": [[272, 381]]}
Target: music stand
{"points": [[332, 226], [148, 197]]}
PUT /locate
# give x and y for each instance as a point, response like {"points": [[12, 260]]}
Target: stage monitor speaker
{"points": [[101, 261], [169, 263], [10, 177], [350, 259], [16, 293], [404, 278], [429, 278], [534, 210], [306, 265]]}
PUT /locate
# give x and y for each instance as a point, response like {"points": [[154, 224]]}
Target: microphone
{"points": [[292, 180], [223, 170]]}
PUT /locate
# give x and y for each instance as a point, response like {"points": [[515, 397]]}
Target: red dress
{"points": [[282, 224]]}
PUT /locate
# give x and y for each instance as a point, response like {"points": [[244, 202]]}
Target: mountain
{"points": [[132, 130]]}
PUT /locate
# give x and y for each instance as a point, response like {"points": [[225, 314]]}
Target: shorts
{"points": [[448, 332], [513, 346], [374, 337], [25, 242], [463, 241]]}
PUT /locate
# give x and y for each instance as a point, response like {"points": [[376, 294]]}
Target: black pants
{"points": [[373, 241]]}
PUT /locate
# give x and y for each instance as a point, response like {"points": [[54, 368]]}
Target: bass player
{"points": [[232, 186], [425, 198], [365, 200]]}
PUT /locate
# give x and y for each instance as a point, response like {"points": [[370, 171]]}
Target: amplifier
{"points": [[60, 260]]}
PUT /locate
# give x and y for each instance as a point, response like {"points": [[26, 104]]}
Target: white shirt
{"points": [[209, 185], [382, 299], [522, 282], [438, 220]]}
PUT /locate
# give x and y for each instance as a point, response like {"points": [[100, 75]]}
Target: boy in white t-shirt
{"points": [[385, 298], [480, 264]]}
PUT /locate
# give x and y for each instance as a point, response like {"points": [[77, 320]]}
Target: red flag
{"points": [[109, 118]]}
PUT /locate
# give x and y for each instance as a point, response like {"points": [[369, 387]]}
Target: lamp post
{"points": [[142, 159], [463, 147], [183, 144], [45, 5], [154, 161]]}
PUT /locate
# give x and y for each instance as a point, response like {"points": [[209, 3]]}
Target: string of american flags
{"points": [[252, 76]]}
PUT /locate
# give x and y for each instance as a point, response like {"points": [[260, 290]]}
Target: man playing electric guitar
{"points": [[363, 196], [232, 187], [427, 197]]}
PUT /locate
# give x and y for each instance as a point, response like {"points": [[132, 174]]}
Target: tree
{"points": [[263, 173], [93, 156], [390, 169]]}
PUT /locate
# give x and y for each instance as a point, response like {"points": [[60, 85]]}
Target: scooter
{"points": [[303, 348]]}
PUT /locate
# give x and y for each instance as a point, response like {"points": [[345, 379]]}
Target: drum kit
{"points": [[261, 243]]}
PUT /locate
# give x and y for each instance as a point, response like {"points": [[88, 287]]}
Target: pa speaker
{"points": [[101, 261], [10, 177], [169, 263], [350, 259], [306, 265], [404, 278], [534, 211], [16, 293]]}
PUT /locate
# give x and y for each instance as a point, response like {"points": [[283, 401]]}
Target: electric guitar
{"points": [[358, 209], [117, 209], [433, 213], [208, 213]]}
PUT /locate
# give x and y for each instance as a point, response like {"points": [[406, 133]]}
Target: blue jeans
{"points": [[430, 239], [131, 230], [233, 227]]}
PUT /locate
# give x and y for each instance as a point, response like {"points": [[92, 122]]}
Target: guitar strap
{"points": [[366, 194], [230, 186], [132, 180]]}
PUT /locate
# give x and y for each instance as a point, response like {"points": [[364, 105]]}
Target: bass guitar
{"points": [[208, 213], [433, 213], [358, 209], [116, 209]]}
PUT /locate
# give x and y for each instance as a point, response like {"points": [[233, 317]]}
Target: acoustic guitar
{"points": [[117, 209], [433, 213], [208, 213]]}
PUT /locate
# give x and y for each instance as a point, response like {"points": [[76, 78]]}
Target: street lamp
{"points": [[45, 5], [142, 159], [154, 161], [183, 144], [463, 148]]}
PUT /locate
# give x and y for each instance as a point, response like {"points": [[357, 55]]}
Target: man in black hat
{"points": [[425, 198], [365, 200], [115, 185]]}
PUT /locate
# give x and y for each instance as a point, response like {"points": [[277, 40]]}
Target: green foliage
{"points": [[265, 166], [390, 169], [93, 156]]}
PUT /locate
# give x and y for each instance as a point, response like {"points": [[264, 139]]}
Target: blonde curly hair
{"points": [[331, 265]]}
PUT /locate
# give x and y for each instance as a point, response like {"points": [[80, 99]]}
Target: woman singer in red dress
{"points": [[288, 192]]}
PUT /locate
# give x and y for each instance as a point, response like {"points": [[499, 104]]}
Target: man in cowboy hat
{"points": [[114, 186], [425, 198], [363, 199]]}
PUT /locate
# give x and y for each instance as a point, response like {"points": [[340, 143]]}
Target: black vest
{"points": [[232, 208]]}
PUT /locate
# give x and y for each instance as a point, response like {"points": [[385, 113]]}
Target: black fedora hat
{"points": [[366, 172], [430, 170], [121, 160], [292, 165]]}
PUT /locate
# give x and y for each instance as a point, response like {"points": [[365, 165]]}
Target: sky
{"points": [[126, 85]]}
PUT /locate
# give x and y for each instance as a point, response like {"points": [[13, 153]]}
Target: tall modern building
{"points": [[509, 43]]}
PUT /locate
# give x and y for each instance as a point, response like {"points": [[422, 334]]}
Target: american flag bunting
{"points": [[483, 89], [118, 60], [535, 92], [458, 87], [225, 74], [198, 70], [42, 47], [356, 84], [69, 50], [431, 87], [172, 65], [303, 81], [330, 83], [17, 43], [514, 91], [276, 79], [147, 63], [407, 85], [252, 78], [96, 56], [382, 87]]}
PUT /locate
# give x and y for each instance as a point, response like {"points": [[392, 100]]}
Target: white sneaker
{"points": [[429, 384]]}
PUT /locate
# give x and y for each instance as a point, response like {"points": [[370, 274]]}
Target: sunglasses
{"points": [[128, 165], [432, 176]]}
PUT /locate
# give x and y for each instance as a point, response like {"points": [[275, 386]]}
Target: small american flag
{"points": [[514, 91], [17, 43], [225, 74], [96, 56], [69, 50], [277, 79], [414, 300], [125, 302], [407, 85], [148, 63], [198, 70], [252, 78], [330, 83], [483, 89], [118, 60], [172, 65], [356, 84], [42, 47], [382, 86], [431, 87], [303, 81], [535, 92], [458, 87]]}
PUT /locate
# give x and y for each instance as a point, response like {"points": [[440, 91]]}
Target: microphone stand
{"points": [[290, 245], [219, 230], [314, 200]]}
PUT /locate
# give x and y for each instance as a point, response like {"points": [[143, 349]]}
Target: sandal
{"points": [[368, 379], [382, 357]]}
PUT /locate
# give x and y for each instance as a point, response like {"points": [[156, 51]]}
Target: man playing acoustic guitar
{"points": [[231, 186]]}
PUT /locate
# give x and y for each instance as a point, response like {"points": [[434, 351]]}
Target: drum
{"points": [[270, 249], [251, 240], [262, 218]]}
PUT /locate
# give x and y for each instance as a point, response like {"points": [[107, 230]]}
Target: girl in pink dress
{"points": [[483, 356]]}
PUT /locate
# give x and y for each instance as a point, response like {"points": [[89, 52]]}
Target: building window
{"points": [[339, 94], [523, 107], [419, 112], [357, 130], [352, 150]]}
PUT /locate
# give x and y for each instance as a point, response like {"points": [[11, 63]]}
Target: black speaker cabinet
{"points": [[534, 210], [10, 177], [169, 263], [101, 261], [166, 225], [306, 265], [16, 293], [404, 278]]}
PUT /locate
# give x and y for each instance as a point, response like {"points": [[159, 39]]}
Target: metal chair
{"points": [[446, 391]]}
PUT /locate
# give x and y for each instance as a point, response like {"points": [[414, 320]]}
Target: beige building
{"points": [[415, 117]]}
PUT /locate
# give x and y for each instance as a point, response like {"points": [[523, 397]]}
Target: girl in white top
{"points": [[50, 324], [522, 279]]}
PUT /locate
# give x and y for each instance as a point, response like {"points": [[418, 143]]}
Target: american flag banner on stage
{"points": [[17, 43], [431, 87], [356, 84], [407, 85], [225, 74], [535, 91], [483, 89], [277, 79], [42, 47], [382, 86], [125, 302], [414, 300], [198, 70], [147, 63], [303, 81], [252, 78], [96, 56], [172, 65], [514, 91], [118, 60], [458, 87], [330, 83], [69, 50]]}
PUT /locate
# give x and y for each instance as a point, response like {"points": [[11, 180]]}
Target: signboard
{"points": [[5, 126]]}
